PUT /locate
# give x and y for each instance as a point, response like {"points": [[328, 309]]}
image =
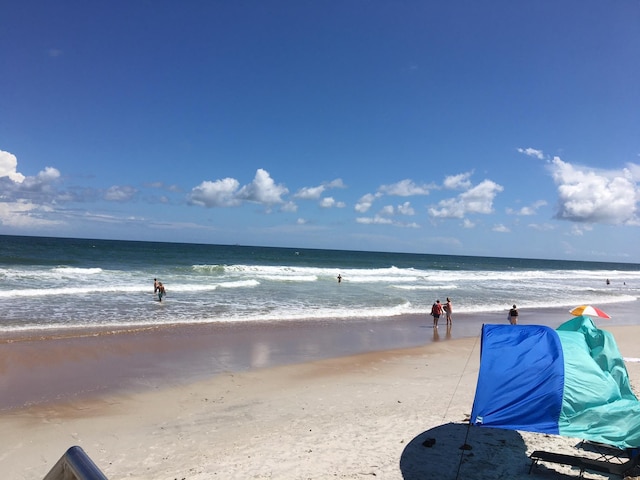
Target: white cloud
{"points": [[263, 189], [403, 209], [289, 207], [225, 192], [578, 230], [310, 193], [532, 152], [313, 193], [387, 210], [8, 167], [41, 182], [595, 196], [382, 220], [337, 183], [365, 202], [527, 210], [330, 202], [404, 188], [374, 220], [500, 228], [221, 193], [478, 199], [458, 182], [406, 209], [24, 214]]}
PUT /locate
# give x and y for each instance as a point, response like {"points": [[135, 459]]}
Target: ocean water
{"points": [[58, 283]]}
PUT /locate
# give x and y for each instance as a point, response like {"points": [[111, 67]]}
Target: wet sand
{"points": [[55, 366]]}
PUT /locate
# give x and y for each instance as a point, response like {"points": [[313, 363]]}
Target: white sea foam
{"points": [[38, 296]]}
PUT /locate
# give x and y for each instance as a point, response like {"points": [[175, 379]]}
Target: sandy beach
{"points": [[357, 416]]}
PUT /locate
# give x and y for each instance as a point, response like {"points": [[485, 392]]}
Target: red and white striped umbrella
{"points": [[589, 311]]}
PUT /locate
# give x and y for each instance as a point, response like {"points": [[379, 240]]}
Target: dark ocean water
{"points": [[58, 283]]}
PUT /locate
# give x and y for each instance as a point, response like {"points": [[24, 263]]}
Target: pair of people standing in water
{"points": [[159, 289], [437, 309]]}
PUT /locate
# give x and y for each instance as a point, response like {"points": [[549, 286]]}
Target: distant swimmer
{"points": [[155, 285], [161, 291], [339, 278]]}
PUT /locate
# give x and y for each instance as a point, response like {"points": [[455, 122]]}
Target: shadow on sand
{"points": [[459, 451]]}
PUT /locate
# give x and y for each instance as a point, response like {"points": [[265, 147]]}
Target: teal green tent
{"points": [[571, 381]]}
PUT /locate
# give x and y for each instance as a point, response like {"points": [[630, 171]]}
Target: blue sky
{"points": [[461, 127]]}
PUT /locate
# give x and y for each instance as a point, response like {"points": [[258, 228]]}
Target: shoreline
{"points": [[59, 366]]}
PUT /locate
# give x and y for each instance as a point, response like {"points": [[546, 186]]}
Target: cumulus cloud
{"points": [[404, 188], [406, 209], [500, 228], [42, 181], [478, 199], [263, 189], [221, 193], [8, 167], [227, 192], [365, 202], [388, 210], [402, 209], [330, 202], [314, 193], [388, 216], [532, 152], [38, 189], [310, 193], [458, 182], [595, 196]]}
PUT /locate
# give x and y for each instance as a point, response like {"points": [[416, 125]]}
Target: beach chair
{"points": [[585, 463], [75, 464]]}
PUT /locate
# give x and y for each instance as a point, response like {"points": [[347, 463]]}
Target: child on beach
{"points": [[513, 316]]}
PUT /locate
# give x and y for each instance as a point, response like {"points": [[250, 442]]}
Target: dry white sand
{"points": [[357, 417]]}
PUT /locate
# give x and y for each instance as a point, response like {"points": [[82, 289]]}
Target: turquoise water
{"points": [[57, 283]]}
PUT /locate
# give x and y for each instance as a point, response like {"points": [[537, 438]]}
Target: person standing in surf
{"points": [[161, 291], [436, 311], [447, 310], [155, 285]]}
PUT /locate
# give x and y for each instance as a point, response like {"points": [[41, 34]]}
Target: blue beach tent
{"points": [[571, 381]]}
